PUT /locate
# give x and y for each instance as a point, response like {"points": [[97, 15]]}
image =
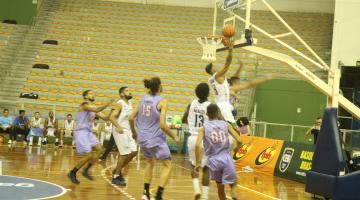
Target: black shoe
{"points": [[72, 176], [44, 142], [57, 143], [87, 175], [120, 181]]}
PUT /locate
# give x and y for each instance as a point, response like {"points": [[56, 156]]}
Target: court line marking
{"points": [[240, 186], [259, 193], [64, 190], [122, 191]]}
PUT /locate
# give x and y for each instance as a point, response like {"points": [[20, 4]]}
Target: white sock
{"points": [[115, 175], [56, 140], [205, 192], [196, 185], [44, 139]]}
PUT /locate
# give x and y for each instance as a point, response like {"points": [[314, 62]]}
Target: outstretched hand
{"points": [[228, 42]]}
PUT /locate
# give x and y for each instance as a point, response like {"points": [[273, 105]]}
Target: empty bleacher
{"points": [[106, 45]]}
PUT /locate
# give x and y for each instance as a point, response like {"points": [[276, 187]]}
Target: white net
{"points": [[209, 45]]}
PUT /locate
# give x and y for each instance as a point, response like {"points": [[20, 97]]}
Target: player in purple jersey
{"points": [[215, 137], [86, 142], [150, 119]]}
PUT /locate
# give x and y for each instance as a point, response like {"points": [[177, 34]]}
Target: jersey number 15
{"points": [[146, 110]]}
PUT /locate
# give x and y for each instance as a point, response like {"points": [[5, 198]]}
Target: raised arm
{"points": [[114, 116], [96, 109], [199, 140], [186, 114], [239, 69], [220, 75], [248, 85], [163, 109], [104, 115]]}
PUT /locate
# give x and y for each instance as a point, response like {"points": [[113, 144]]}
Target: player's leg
{"points": [[148, 177], [97, 149], [72, 174], [205, 182], [234, 191], [194, 175], [57, 136], [221, 191], [109, 147], [118, 179], [229, 176], [61, 137], [127, 150], [162, 152]]}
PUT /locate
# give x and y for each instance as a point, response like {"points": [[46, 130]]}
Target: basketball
{"points": [[228, 31]]}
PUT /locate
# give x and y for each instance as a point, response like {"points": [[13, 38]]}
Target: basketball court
{"points": [[50, 165], [104, 44]]}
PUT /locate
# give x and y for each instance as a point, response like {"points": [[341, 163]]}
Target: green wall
{"points": [[20, 10], [278, 101]]}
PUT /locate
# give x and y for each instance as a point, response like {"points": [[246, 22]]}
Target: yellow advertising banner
{"points": [[258, 154]]}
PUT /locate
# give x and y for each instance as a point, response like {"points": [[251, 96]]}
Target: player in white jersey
{"points": [[124, 140], [219, 83], [195, 116], [68, 129], [105, 132], [222, 89]]}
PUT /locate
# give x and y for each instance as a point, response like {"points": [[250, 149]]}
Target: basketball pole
{"points": [[310, 77], [215, 17], [248, 12]]}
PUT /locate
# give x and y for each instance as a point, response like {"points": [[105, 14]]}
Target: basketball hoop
{"points": [[209, 45]]}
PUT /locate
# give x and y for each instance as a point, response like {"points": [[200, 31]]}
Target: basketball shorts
{"points": [[191, 149], [222, 169], [125, 142], [226, 111], [160, 151], [85, 140]]}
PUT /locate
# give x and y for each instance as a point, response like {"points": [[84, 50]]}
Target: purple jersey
{"points": [[148, 122], [85, 120], [216, 138], [217, 148]]}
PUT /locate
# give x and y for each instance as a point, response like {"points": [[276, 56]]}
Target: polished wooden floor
{"points": [[51, 164]]}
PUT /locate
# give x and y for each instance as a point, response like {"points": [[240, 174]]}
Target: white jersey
{"points": [[126, 110], [69, 126], [37, 122], [107, 128], [222, 91], [197, 115]]}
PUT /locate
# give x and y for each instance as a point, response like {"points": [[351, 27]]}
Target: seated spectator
{"points": [[6, 123], [96, 127], [315, 130], [106, 132], [51, 128], [36, 128], [21, 126], [68, 129], [244, 126]]}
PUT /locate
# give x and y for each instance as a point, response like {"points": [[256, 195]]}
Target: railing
{"points": [[297, 133], [287, 132]]}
